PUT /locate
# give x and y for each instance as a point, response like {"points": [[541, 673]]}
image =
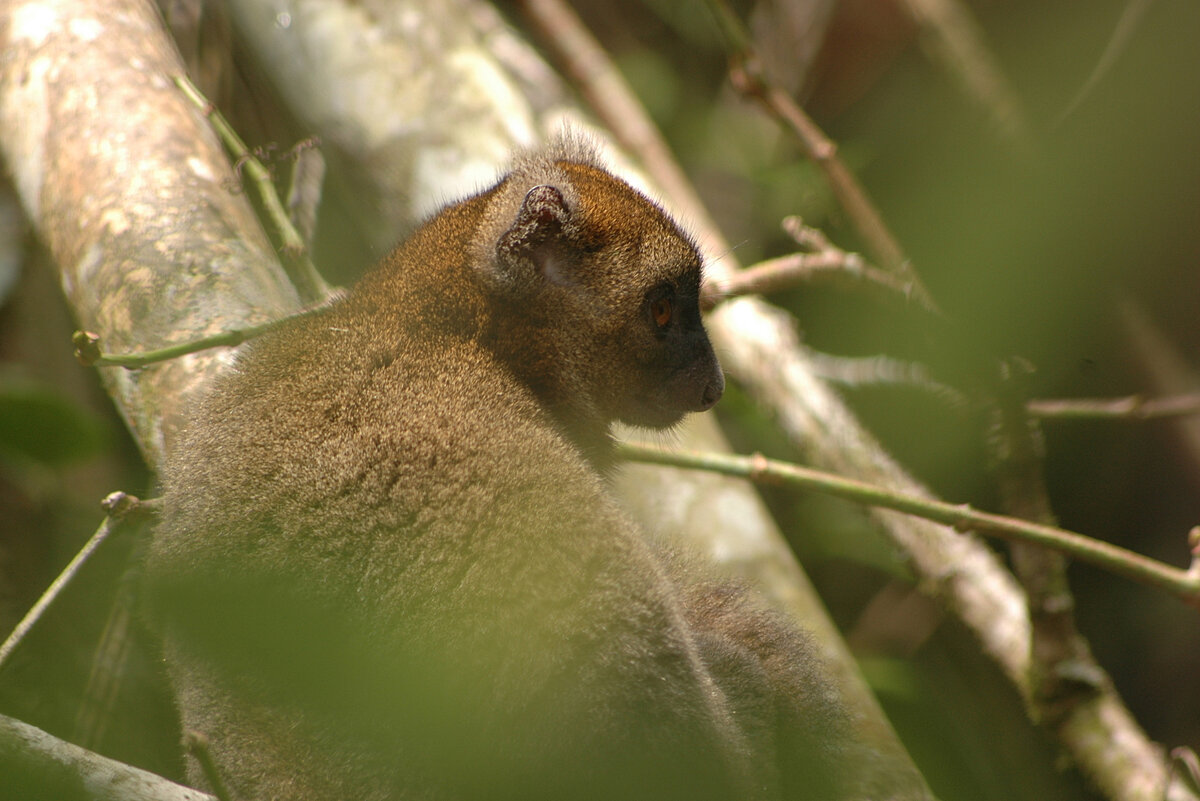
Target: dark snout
{"points": [[705, 381], [712, 390], [687, 379]]}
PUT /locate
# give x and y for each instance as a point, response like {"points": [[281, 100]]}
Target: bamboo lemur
{"points": [[390, 568]]}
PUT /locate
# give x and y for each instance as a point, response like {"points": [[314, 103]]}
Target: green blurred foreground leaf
{"points": [[37, 422]]}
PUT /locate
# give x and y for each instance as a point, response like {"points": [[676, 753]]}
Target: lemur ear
{"points": [[534, 246]]}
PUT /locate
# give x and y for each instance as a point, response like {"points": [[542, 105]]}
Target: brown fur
{"points": [[389, 567]]}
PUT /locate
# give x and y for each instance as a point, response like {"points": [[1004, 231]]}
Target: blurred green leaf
{"points": [[39, 423], [892, 678]]}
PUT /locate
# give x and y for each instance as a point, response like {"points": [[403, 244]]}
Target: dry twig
{"points": [[1130, 407], [821, 259], [750, 79]]}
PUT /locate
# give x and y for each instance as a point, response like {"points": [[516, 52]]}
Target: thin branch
{"points": [[786, 272], [87, 345], [1184, 584], [309, 283], [1131, 17], [1130, 407], [751, 80], [121, 508], [823, 260], [1185, 763], [953, 37], [1167, 369], [304, 188], [883, 370], [98, 704]]}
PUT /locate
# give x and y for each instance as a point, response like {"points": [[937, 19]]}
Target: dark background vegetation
{"points": [[1032, 253]]}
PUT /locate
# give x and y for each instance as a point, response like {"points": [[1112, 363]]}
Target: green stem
{"points": [[120, 507], [87, 347], [1182, 583], [301, 269]]}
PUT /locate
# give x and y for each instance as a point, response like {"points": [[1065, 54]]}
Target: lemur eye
{"points": [[661, 310]]}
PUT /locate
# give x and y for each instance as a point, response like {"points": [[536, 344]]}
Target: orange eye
{"points": [[661, 310]]}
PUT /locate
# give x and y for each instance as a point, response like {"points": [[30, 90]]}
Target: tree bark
{"points": [[35, 763], [129, 190]]}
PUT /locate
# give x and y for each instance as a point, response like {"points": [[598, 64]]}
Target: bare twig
{"points": [[1130, 407], [304, 188], [1167, 369], [823, 260], [750, 79], [101, 694], [308, 281], [953, 37], [1184, 584], [878, 370], [121, 508], [1131, 17], [1185, 763], [786, 272]]}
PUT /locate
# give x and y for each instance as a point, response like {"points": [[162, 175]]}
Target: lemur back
{"points": [[390, 567]]}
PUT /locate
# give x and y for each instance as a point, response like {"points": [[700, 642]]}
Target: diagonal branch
{"points": [[129, 190], [1184, 584], [34, 761]]}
